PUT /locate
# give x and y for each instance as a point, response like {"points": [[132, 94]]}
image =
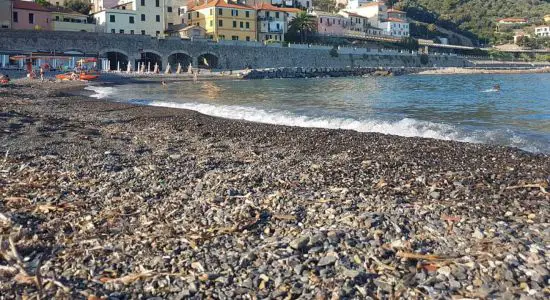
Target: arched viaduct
{"points": [[125, 48]]}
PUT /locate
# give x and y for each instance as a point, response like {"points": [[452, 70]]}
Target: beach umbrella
{"points": [[190, 69], [168, 70], [148, 67], [156, 68], [129, 69], [142, 68], [178, 70], [118, 66], [139, 67]]}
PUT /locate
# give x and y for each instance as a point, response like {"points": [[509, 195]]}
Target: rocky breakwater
{"points": [[103, 200], [299, 72]]}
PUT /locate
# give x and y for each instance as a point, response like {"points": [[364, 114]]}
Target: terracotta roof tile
{"points": [[26, 5], [221, 3]]}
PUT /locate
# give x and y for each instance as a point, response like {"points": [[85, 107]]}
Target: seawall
{"points": [[223, 56]]}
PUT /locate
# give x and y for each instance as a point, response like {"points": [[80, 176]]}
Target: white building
{"points": [[395, 27], [354, 4], [542, 31], [144, 17], [392, 22]]}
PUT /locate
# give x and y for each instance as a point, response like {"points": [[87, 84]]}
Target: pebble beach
{"points": [[104, 200]]}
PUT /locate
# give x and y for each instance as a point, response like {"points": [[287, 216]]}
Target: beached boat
{"points": [[74, 76]]}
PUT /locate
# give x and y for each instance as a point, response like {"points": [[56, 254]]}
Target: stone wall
{"points": [[229, 56]]}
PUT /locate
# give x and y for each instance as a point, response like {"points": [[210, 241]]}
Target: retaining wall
{"points": [[231, 56]]}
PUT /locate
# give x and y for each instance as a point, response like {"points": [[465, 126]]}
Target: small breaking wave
{"points": [[406, 127], [100, 92]]}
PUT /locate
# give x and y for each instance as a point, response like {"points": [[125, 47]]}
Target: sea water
{"points": [[448, 107]]}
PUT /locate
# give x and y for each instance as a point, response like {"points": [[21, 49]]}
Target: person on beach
{"points": [[195, 76], [163, 83], [41, 73]]}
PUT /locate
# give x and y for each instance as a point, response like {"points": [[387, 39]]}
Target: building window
{"points": [[188, 17], [234, 13], [234, 37], [241, 25], [197, 14], [220, 23], [122, 31], [57, 18], [211, 23], [267, 14], [211, 11], [277, 14], [131, 19], [247, 25], [142, 2], [247, 13], [15, 17], [112, 31], [321, 20], [158, 18], [234, 24], [248, 39], [143, 17], [222, 37], [157, 3], [131, 31], [157, 33], [169, 9], [220, 11], [31, 18]]}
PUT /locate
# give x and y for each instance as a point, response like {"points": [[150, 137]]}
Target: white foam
{"points": [[406, 127], [100, 92]]}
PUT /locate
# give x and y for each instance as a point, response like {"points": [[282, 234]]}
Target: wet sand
{"points": [[101, 199]]}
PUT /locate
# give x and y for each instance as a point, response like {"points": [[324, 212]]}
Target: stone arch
{"points": [[116, 60], [181, 57], [208, 60], [149, 58], [103, 52]]}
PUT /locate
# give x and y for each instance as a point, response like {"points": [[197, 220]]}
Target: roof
{"points": [[391, 10], [394, 20], [326, 14], [63, 10], [26, 5], [221, 3], [513, 20], [352, 14], [183, 27], [268, 6]]}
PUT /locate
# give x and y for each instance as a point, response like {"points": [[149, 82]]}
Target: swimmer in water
{"points": [[496, 87], [163, 83]]}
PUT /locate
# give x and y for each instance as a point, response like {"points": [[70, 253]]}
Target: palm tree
{"points": [[303, 24]]}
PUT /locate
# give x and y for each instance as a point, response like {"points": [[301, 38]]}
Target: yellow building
{"points": [[547, 19], [225, 21], [64, 19]]}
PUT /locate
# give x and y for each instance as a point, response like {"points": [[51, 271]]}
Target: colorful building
{"points": [[5, 13], [331, 24], [542, 31], [225, 21], [64, 19], [273, 21], [144, 17], [30, 15]]}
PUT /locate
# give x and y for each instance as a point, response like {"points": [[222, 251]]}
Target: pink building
{"points": [[331, 24], [30, 15]]}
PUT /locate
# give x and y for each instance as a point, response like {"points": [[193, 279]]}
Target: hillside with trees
{"points": [[476, 18]]}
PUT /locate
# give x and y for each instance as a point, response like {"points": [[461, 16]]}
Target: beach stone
{"points": [[299, 243], [327, 260], [446, 271], [435, 195], [478, 234]]}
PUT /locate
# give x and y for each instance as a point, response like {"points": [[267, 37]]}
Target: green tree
{"points": [[325, 5], [78, 6], [303, 25], [43, 3], [409, 43]]}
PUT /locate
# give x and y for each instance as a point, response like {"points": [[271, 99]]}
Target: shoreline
{"points": [[129, 201], [471, 71]]}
